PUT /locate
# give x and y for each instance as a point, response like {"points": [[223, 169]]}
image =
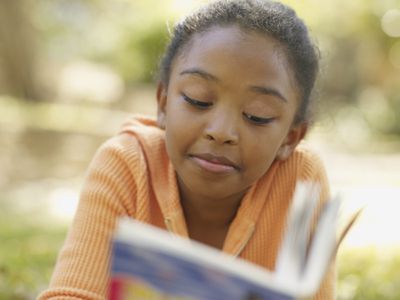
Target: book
{"points": [[151, 263]]}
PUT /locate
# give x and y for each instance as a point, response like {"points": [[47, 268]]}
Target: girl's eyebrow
{"points": [[201, 73], [257, 89], [268, 91]]}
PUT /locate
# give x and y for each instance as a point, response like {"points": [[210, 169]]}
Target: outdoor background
{"points": [[72, 70]]}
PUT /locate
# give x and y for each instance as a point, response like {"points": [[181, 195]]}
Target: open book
{"points": [[150, 263]]}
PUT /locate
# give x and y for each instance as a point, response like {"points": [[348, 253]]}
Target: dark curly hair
{"points": [[262, 16]]}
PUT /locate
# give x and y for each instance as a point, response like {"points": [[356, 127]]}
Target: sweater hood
{"points": [[162, 177]]}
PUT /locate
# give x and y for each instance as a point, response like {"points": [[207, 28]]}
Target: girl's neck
{"points": [[208, 220], [212, 213]]}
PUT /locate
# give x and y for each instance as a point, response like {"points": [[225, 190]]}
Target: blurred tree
{"points": [[127, 35], [17, 50]]}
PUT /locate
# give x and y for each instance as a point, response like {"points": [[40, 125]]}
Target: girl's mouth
{"points": [[213, 163]]}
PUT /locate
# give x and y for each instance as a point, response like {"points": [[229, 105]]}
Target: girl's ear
{"points": [[161, 104], [293, 138]]}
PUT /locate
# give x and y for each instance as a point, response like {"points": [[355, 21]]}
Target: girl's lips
{"points": [[214, 167]]}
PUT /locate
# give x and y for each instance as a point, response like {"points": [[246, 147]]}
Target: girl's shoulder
{"points": [[305, 162], [305, 153], [136, 134], [139, 144], [121, 146]]}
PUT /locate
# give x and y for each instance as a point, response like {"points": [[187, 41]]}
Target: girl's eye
{"points": [[258, 120], [197, 103]]}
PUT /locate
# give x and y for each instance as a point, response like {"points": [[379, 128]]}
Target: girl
{"points": [[220, 163]]}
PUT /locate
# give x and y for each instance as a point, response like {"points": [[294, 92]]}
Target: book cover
{"points": [[140, 273], [150, 263]]}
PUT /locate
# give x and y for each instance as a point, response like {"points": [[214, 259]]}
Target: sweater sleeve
{"points": [[82, 269]]}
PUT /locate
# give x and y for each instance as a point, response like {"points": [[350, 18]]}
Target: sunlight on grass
{"points": [[62, 204]]}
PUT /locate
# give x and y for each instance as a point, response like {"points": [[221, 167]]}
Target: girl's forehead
{"points": [[232, 35], [235, 42], [237, 53]]}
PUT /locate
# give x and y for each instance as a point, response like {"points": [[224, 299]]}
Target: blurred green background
{"points": [[72, 70]]}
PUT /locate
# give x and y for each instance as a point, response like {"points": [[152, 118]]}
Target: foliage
{"points": [[140, 54], [127, 35], [369, 274], [360, 63], [360, 60], [360, 55]]}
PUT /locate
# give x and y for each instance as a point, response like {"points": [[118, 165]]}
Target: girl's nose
{"points": [[223, 129]]}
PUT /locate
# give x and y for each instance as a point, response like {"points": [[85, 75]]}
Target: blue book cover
{"points": [[151, 263], [142, 273]]}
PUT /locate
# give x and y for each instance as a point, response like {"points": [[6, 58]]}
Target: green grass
{"points": [[369, 274], [27, 254]]}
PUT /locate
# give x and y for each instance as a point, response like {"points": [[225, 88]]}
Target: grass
{"points": [[27, 254], [369, 274]]}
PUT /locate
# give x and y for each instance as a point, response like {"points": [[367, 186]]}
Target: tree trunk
{"points": [[17, 51]]}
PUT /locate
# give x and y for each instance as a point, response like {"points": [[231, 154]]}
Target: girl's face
{"points": [[228, 111]]}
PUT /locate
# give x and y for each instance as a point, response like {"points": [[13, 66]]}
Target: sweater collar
{"points": [[162, 174]]}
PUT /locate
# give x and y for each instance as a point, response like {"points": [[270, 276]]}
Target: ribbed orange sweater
{"points": [[131, 175]]}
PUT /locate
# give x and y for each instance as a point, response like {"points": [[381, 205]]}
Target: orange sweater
{"points": [[131, 175]]}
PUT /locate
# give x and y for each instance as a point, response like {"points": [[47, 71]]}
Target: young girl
{"points": [[220, 163]]}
